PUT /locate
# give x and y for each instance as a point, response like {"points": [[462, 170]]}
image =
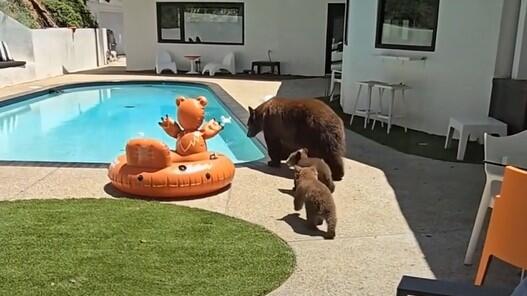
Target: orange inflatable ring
{"points": [[150, 169]]}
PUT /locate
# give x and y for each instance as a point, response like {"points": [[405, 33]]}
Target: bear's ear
{"points": [[203, 101], [179, 100], [251, 111]]}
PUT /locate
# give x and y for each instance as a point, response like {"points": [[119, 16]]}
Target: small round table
{"points": [[192, 59]]}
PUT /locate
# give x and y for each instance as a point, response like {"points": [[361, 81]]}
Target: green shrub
{"points": [[70, 13], [18, 11]]}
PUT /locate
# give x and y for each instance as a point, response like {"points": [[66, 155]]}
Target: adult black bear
{"points": [[289, 125]]}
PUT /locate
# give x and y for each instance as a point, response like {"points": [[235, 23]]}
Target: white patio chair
{"points": [[228, 64], [336, 77], [164, 61], [510, 150]]}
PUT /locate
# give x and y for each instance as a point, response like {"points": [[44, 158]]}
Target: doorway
{"points": [[335, 36]]}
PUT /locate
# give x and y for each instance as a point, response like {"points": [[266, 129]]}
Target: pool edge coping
{"points": [[241, 115]]}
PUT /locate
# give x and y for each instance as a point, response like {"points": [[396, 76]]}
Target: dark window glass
{"points": [[407, 24], [212, 23]]}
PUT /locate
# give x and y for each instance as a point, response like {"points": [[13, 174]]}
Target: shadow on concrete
{"points": [[289, 192], [112, 191], [301, 226], [437, 198], [261, 166]]}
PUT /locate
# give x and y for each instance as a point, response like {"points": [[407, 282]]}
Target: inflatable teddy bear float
{"points": [[149, 168]]}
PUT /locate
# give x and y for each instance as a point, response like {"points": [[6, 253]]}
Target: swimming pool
{"points": [[92, 124]]}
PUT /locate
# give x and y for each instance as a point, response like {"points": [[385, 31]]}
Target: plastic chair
{"points": [[228, 64], [506, 237], [164, 61], [336, 77], [507, 150]]}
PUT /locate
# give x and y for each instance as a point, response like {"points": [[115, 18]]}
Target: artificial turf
{"points": [[128, 247]]}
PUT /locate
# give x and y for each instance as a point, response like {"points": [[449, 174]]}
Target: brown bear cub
{"points": [[317, 197], [301, 158], [289, 125]]}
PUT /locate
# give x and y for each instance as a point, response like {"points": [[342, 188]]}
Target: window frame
{"points": [[346, 22], [380, 21], [183, 5]]}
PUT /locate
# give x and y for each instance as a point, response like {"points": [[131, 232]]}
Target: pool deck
{"points": [[397, 213]]}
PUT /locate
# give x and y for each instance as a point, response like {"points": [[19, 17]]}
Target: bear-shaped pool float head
{"points": [[189, 129]]}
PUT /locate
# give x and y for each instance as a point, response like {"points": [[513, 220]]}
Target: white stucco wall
{"points": [[455, 80], [49, 52], [19, 40], [295, 31]]}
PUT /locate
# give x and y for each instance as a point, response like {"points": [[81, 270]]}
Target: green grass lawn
{"points": [[126, 247]]}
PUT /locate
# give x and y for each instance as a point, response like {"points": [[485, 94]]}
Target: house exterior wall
{"points": [[294, 30], [454, 80], [109, 15], [519, 70]]}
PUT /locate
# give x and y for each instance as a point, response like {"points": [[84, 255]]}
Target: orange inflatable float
{"points": [[149, 168]]}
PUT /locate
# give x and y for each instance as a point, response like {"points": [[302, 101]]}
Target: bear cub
{"points": [[317, 198], [301, 158]]}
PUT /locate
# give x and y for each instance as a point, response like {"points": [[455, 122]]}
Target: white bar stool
{"points": [[363, 112], [388, 117], [336, 78]]}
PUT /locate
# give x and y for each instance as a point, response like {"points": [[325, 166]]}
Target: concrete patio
{"points": [[397, 214]]}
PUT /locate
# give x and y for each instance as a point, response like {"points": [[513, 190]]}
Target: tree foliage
{"points": [[70, 13], [17, 10]]}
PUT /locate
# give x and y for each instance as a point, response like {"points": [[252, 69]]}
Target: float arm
{"points": [[210, 129], [171, 127]]}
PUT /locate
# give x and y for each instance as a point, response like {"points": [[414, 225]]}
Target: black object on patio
{"points": [[425, 287], [10, 64], [6, 60]]}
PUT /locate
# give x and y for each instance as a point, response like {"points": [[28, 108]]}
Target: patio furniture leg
{"points": [[381, 105], [478, 223], [482, 268], [463, 140], [449, 136], [390, 111], [403, 93], [356, 104], [332, 86], [367, 116], [381, 90]]}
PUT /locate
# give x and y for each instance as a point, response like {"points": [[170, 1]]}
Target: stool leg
{"points": [[381, 105], [449, 136], [403, 93], [380, 110], [463, 140], [332, 86], [367, 116], [356, 104], [390, 110]]}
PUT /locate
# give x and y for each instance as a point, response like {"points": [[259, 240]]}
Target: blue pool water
{"points": [[92, 124]]}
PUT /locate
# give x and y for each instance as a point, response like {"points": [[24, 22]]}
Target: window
{"points": [[200, 22], [407, 24]]}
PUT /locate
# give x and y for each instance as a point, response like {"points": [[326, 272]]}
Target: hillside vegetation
{"points": [[37, 14]]}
